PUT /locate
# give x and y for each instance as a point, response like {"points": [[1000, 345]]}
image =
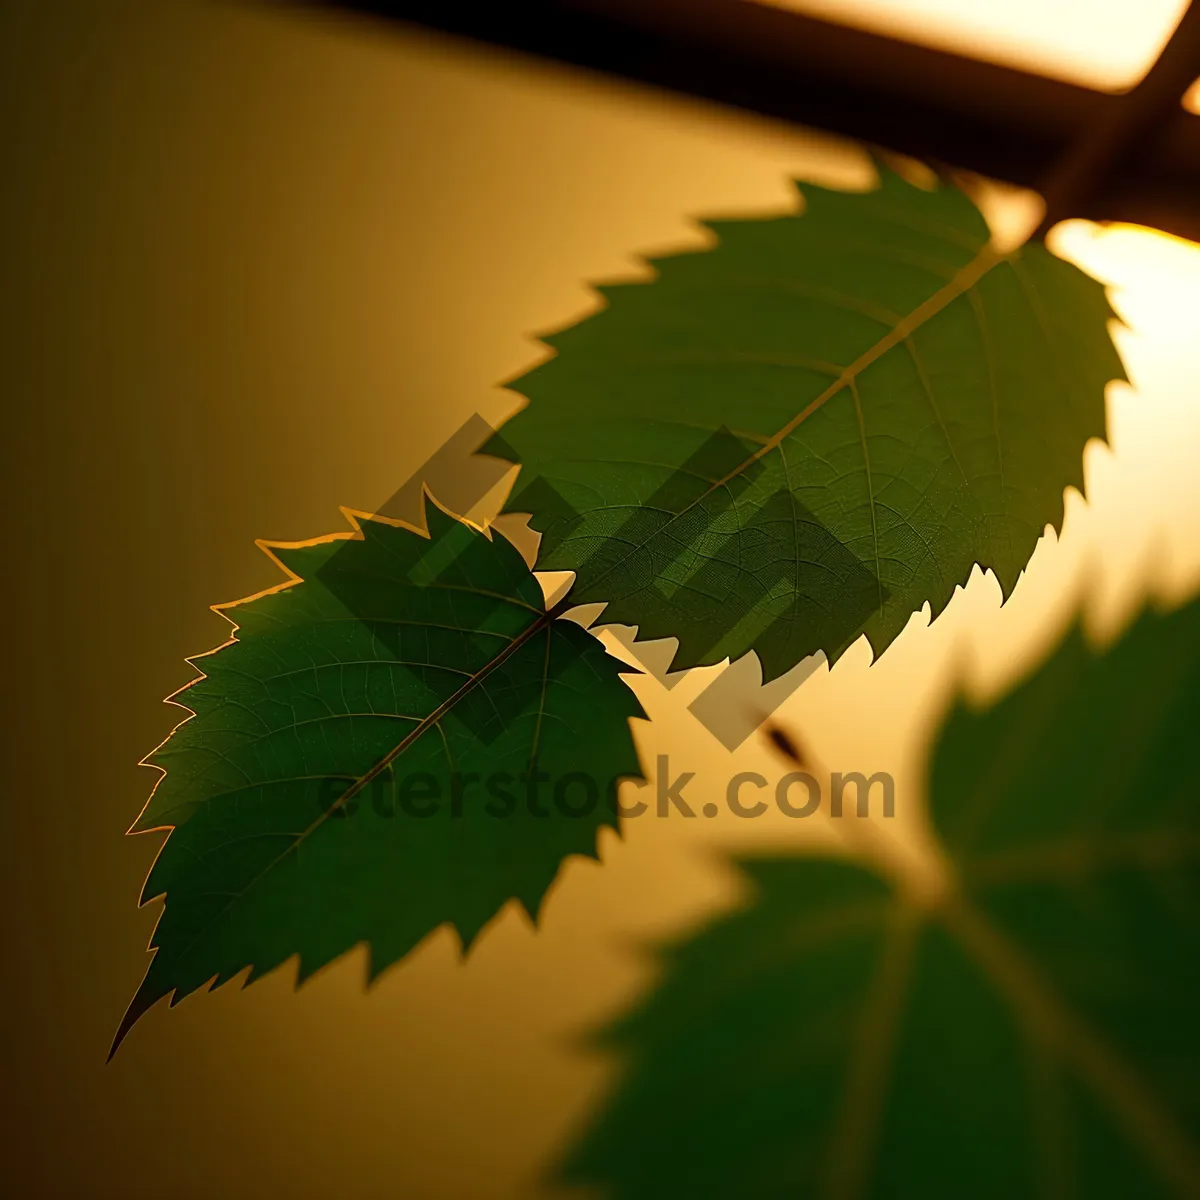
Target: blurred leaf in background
{"points": [[1031, 1032]]}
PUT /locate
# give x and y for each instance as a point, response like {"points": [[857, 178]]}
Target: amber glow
{"points": [[1101, 43], [266, 263]]}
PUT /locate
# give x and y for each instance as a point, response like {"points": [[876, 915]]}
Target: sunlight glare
{"points": [[1105, 44]]}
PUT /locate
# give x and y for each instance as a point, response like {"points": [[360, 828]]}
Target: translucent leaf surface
{"points": [[814, 429], [400, 737]]}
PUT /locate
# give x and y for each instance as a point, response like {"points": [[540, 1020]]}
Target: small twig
{"points": [[1119, 139]]}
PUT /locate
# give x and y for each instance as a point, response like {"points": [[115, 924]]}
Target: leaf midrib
{"points": [[966, 278], [543, 622]]}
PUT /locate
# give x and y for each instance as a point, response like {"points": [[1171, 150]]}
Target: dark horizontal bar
{"points": [[1001, 122]]}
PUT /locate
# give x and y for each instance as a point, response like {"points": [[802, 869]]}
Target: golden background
{"points": [[261, 264]]}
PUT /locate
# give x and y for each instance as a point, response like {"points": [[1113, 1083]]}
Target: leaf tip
{"points": [[141, 1004]]}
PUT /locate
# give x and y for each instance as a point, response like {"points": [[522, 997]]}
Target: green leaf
{"points": [[1034, 1033], [393, 675], [814, 429]]}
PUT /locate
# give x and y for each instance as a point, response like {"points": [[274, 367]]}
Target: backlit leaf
{"points": [[401, 737], [814, 429]]}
